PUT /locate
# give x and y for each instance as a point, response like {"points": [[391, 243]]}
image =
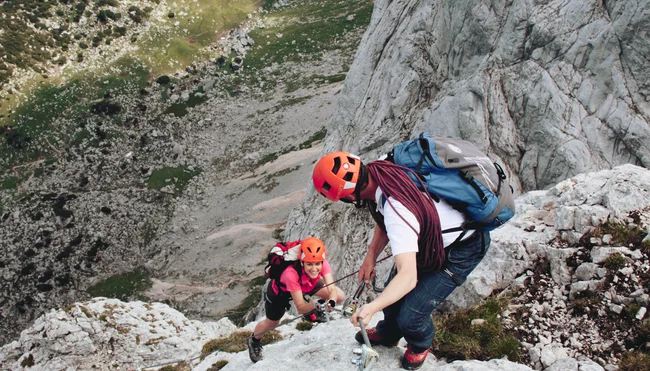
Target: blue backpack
{"points": [[459, 172]]}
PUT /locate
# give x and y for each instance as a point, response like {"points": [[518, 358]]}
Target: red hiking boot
{"points": [[375, 338], [413, 361]]}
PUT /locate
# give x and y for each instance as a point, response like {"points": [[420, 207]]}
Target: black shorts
{"points": [[275, 305]]}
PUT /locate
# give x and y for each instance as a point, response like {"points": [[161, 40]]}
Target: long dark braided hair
{"points": [[395, 182]]}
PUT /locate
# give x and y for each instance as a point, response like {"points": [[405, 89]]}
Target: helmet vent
{"points": [[352, 160], [348, 176], [326, 187], [337, 165]]}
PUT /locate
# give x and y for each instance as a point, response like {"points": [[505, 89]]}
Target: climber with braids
{"points": [[429, 265]]}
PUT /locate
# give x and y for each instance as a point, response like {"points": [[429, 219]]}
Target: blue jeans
{"points": [[410, 317]]}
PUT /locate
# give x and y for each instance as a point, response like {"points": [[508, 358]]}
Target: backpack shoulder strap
{"points": [[297, 267]]}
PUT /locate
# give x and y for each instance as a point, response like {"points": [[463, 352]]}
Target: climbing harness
{"points": [[367, 357]]}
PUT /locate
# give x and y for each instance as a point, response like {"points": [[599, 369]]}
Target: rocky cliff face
{"points": [[577, 311], [550, 89]]}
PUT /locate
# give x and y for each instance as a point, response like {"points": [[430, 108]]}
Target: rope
{"points": [[355, 272], [394, 181], [189, 360]]}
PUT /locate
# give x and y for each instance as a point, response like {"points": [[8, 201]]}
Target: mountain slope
{"points": [[568, 302]]}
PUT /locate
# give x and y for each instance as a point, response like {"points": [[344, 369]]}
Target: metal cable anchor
{"points": [[367, 357]]}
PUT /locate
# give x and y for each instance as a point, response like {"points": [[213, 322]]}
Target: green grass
{"points": [[457, 339], [169, 50], [614, 262], [123, 286], [9, 183], [621, 233], [178, 177], [315, 25], [308, 29], [318, 80], [237, 314], [218, 365], [237, 342], [317, 136], [50, 119], [180, 109], [181, 366], [635, 360], [304, 325]]}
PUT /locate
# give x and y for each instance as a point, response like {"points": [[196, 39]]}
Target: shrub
{"points": [[237, 342], [163, 80], [218, 365], [28, 361], [614, 262], [101, 16], [182, 366], [304, 326], [644, 331], [106, 108], [583, 301], [112, 3], [17, 139], [621, 233], [635, 361], [136, 14], [631, 311], [457, 339]]}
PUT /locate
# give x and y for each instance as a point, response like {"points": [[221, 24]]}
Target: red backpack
{"points": [[281, 256]]}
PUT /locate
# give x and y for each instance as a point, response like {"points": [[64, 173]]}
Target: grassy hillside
{"points": [[50, 42], [64, 111]]}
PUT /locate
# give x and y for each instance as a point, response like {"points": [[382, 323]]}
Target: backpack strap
{"points": [[426, 151], [376, 215], [281, 286], [470, 179], [501, 175]]}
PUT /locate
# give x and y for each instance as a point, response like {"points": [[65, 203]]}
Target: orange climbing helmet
{"points": [[312, 250], [337, 174]]}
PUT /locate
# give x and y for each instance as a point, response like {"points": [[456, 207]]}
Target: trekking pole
{"points": [[367, 356]]}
